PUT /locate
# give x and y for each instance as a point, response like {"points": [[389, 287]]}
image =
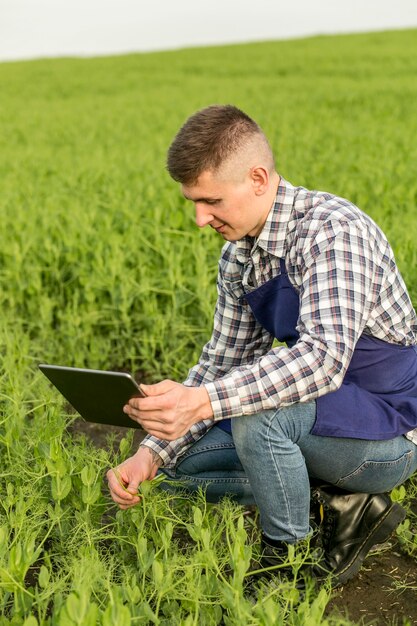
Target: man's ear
{"points": [[260, 179]]}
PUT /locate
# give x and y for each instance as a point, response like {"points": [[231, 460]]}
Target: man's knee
{"points": [[248, 432]]}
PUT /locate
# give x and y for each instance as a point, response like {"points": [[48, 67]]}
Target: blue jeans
{"points": [[272, 455]]}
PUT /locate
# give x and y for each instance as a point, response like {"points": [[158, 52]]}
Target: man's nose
{"points": [[203, 216]]}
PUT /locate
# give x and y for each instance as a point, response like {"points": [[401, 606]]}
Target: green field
{"points": [[101, 265]]}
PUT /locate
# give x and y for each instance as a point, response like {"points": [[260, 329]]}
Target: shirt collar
{"points": [[273, 236]]}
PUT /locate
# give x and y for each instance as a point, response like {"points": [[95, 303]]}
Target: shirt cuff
{"points": [[167, 459], [224, 398], [240, 393]]}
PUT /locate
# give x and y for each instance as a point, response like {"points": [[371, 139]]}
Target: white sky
{"points": [[36, 28]]}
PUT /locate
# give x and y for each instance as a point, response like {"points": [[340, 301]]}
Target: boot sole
{"points": [[380, 532]]}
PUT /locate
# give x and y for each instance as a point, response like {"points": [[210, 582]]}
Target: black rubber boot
{"points": [[274, 554], [274, 561], [351, 524]]}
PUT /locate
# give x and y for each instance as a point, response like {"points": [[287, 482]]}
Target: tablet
{"points": [[97, 395]]}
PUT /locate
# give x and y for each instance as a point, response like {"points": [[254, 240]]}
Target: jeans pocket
{"points": [[378, 476]]}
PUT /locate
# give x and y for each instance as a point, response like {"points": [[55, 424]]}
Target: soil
{"points": [[374, 597], [385, 590]]}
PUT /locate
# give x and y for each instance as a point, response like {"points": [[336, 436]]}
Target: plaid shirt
{"points": [[344, 271]]}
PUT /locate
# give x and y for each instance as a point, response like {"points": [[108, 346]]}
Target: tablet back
{"points": [[98, 396]]}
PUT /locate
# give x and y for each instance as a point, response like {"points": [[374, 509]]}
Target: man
{"points": [[336, 404]]}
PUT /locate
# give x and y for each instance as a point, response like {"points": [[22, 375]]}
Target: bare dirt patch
{"points": [[101, 434], [384, 591]]}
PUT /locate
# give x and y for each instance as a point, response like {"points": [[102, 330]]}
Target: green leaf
{"points": [[205, 538], [4, 535], [88, 475], [124, 446], [198, 517], [61, 486], [157, 573], [43, 578], [193, 532], [116, 614], [89, 494], [73, 608]]}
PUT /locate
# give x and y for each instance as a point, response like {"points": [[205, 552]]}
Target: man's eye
{"points": [[211, 202]]}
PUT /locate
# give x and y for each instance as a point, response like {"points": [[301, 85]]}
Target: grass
{"points": [[101, 265]]}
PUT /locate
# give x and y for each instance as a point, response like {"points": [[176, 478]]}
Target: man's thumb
{"points": [[133, 487]]}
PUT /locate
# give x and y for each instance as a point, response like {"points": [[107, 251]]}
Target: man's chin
{"points": [[227, 233], [227, 237]]}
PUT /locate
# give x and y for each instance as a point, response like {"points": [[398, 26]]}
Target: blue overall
{"points": [[378, 397]]}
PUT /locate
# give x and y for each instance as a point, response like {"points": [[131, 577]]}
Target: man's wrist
{"points": [[156, 459], [205, 409]]}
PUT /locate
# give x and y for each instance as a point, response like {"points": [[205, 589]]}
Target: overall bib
{"points": [[378, 397]]}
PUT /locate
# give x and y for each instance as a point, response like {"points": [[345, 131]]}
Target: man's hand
{"points": [[170, 409], [125, 479]]}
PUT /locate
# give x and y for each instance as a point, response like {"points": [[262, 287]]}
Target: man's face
{"points": [[232, 208]]}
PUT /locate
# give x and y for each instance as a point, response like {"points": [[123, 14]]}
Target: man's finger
{"points": [[152, 403], [122, 502], [117, 486], [150, 417], [138, 414], [121, 496]]}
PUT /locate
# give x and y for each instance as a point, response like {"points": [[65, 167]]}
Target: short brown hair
{"points": [[207, 139]]}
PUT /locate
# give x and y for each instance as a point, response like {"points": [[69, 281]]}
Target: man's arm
{"points": [[337, 293]]}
